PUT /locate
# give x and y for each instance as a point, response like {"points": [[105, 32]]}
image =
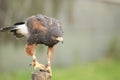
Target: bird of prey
{"points": [[38, 29]]}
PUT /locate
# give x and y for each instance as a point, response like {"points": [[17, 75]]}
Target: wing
{"points": [[37, 29], [41, 23], [34, 25]]}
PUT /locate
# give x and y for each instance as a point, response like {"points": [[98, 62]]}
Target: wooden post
{"points": [[40, 75]]}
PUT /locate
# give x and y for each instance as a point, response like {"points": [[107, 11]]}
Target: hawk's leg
{"points": [[30, 49], [49, 55]]}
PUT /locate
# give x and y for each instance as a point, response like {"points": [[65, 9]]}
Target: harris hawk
{"points": [[38, 29]]}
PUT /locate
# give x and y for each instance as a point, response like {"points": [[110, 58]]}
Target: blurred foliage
{"points": [[114, 49], [103, 70]]}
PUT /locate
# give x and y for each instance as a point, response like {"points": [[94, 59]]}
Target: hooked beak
{"points": [[60, 39]]}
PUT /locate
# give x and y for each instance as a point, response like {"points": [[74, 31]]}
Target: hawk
{"points": [[38, 29]]}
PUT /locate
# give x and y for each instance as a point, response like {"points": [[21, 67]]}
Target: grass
{"points": [[104, 70]]}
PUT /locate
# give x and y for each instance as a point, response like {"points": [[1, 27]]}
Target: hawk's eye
{"points": [[55, 36]]}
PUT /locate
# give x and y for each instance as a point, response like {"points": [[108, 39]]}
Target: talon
{"points": [[48, 69], [37, 66], [47, 65]]}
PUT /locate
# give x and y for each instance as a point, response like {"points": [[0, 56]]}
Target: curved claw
{"points": [[48, 69], [37, 66]]}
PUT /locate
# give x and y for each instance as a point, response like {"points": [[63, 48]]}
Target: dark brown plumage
{"points": [[38, 29], [43, 30]]}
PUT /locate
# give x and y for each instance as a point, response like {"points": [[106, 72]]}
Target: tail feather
{"points": [[6, 29], [18, 35], [12, 30], [19, 30]]}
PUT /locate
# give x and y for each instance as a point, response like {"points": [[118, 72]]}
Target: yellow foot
{"points": [[48, 69], [37, 65]]}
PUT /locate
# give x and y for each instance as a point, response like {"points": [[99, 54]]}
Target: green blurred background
{"points": [[91, 49]]}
